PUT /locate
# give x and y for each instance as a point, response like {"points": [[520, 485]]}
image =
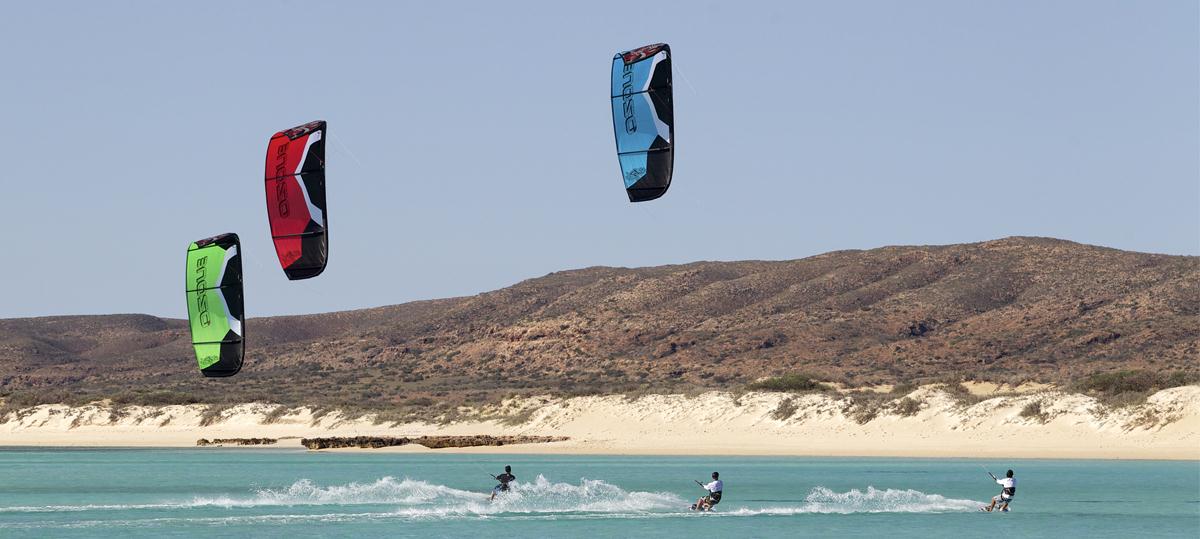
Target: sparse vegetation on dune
{"points": [[786, 409], [1129, 387], [906, 406], [212, 414], [864, 405], [1034, 411], [275, 415]]}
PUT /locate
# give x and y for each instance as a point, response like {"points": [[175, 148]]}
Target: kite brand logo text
{"points": [[280, 186], [627, 99], [201, 298]]}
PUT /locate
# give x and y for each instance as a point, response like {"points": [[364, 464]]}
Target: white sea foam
{"points": [[418, 498], [872, 500], [541, 498], [89, 507], [387, 490]]}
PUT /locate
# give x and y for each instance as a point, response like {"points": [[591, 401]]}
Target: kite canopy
{"points": [[295, 177], [644, 120], [214, 296]]}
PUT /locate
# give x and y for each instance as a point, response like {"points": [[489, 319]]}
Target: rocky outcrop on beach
{"points": [[236, 441], [431, 442]]}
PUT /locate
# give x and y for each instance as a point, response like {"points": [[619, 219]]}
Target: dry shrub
{"points": [[906, 407], [1034, 410], [864, 406], [1131, 387], [275, 415], [212, 415], [520, 417], [318, 414], [1147, 419], [864, 415], [786, 409]]}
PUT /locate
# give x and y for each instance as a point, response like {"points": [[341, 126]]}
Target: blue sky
{"points": [[471, 143]]}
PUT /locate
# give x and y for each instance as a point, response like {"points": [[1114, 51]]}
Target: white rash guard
{"points": [[715, 486], [1009, 484]]}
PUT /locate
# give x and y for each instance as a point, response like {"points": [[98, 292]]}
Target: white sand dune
{"points": [[1167, 426]]}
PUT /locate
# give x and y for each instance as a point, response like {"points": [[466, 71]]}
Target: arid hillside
{"points": [[1006, 310]]}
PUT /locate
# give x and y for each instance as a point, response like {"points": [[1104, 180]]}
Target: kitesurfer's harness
{"points": [[1007, 492], [713, 496], [504, 479]]}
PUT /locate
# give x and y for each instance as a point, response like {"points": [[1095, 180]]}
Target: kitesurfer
{"points": [[1009, 489], [504, 479], [714, 489]]}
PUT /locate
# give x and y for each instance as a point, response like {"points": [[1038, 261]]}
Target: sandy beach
{"points": [[1167, 426]]}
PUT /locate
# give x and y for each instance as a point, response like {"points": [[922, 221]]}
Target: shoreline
{"points": [[575, 452], [534, 449], [1070, 426]]}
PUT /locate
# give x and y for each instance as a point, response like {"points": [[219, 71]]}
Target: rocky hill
{"points": [[1005, 310]]}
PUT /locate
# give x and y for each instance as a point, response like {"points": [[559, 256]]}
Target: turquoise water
{"points": [[285, 493]]}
